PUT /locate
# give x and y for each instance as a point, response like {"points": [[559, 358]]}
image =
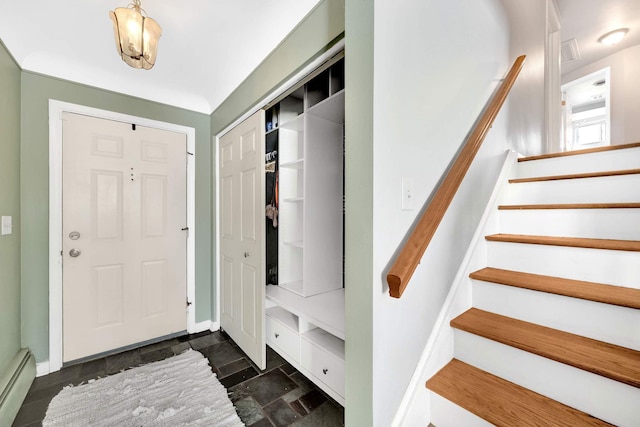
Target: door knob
{"points": [[74, 252], [74, 235], [246, 254]]}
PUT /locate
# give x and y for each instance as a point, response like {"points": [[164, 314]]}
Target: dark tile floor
{"points": [[278, 396]]}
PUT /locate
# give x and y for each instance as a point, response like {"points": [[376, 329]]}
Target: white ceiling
{"points": [[207, 48], [587, 20]]}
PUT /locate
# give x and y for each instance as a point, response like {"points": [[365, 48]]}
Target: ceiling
{"points": [[207, 48], [587, 20]]}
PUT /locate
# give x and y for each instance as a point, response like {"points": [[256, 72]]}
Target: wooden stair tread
{"points": [[608, 360], [598, 292], [501, 402], [578, 152], [627, 205], [576, 242], [575, 176]]}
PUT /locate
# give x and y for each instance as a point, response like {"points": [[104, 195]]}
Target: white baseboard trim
{"points": [[411, 410], [42, 368], [15, 382], [206, 325]]}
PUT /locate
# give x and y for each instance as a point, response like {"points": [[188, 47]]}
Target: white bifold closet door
{"points": [[124, 237], [242, 231]]}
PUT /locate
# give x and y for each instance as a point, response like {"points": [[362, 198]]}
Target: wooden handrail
{"points": [[413, 250]]}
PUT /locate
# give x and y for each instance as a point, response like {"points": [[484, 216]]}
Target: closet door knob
{"points": [[246, 254], [277, 335], [325, 370]]}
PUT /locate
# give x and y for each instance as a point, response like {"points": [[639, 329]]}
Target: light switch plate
{"points": [[6, 225], [407, 194]]}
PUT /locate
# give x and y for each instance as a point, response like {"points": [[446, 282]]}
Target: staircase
{"points": [[553, 337]]}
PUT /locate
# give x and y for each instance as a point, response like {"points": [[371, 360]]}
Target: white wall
{"points": [[435, 64], [527, 36], [625, 92]]}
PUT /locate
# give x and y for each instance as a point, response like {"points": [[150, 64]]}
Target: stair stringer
{"points": [[439, 349]]}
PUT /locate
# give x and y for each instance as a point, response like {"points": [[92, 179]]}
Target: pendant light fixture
{"points": [[136, 35]]}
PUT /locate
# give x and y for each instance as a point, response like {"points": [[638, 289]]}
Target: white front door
{"points": [[242, 243], [124, 247]]}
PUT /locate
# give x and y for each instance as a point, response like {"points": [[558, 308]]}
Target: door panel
{"points": [[242, 236], [124, 192]]}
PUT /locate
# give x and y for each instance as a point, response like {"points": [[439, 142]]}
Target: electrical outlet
{"points": [[407, 194], [6, 225]]}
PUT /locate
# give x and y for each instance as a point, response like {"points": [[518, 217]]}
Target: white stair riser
{"points": [[445, 413], [623, 224], [594, 162], [609, 400], [621, 268], [609, 189], [603, 322]]}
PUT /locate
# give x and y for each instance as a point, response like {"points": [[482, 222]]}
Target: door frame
{"points": [[56, 108]]}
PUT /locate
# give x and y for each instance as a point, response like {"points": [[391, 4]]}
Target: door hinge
{"points": [[185, 229], [189, 303], [191, 154]]}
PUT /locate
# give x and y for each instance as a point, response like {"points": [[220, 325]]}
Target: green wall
{"points": [[359, 243], [9, 205], [34, 161]]}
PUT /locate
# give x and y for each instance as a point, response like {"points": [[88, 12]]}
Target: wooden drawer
{"points": [[322, 354], [282, 332]]}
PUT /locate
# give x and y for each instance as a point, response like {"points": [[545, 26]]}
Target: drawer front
{"points": [[323, 365], [283, 338]]}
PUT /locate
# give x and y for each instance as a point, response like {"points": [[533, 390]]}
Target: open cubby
{"points": [[271, 118], [337, 77], [291, 106], [318, 89]]}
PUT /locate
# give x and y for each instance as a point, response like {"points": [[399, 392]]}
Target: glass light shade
{"points": [[613, 37], [136, 37]]}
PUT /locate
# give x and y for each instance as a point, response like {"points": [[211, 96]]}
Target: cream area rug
{"points": [[178, 391]]}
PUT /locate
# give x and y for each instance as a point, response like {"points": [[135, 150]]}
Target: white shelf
{"points": [[294, 164], [296, 124], [294, 199], [285, 317], [331, 109], [326, 341], [325, 310], [295, 287]]}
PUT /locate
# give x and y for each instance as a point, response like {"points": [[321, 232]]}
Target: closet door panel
{"points": [[242, 240]]}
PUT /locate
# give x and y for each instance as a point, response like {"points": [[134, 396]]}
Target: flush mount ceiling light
{"points": [[136, 35], [613, 37]]}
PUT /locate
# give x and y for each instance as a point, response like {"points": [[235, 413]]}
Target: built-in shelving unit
{"points": [[309, 334], [305, 315]]}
